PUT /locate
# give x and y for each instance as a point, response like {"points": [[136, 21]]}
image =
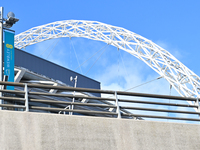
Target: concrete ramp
{"points": [[36, 131]]}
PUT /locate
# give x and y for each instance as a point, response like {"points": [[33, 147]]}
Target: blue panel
{"points": [[9, 60]]}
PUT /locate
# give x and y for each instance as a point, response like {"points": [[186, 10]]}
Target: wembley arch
{"points": [[185, 81]]}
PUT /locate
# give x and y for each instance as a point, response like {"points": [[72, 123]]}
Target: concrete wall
{"points": [[26, 131]]}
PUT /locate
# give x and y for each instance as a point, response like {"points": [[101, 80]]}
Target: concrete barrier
{"points": [[36, 131]]}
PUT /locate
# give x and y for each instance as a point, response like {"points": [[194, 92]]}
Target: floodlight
{"points": [[11, 14], [10, 21]]}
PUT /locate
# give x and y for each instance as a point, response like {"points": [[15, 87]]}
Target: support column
{"points": [[117, 104], [26, 97], [1, 51], [198, 108]]}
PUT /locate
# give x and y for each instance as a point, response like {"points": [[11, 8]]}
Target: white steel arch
{"points": [[186, 82]]}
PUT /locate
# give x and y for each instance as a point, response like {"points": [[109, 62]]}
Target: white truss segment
{"points": [[186, 82]]}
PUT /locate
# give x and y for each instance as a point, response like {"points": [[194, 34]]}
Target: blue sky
{"points": [[173, 25]]}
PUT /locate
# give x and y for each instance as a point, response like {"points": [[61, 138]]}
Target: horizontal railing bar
{"points": [[70, 103], [74, 110], [70, 88], [11, 83], [71, 96], [111, 99], [157, 103], [58, 87], [160, 117], [13, 106], [100, 91], [12, 91], [155, 96], [131, 94], [160, 110], [12, 99], [119, 93], [100, 98]]}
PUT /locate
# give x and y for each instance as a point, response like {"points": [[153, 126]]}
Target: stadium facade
{"points": [[33, 69], [51, 70]]}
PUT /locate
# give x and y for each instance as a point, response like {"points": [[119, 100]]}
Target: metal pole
{"points": [[71, 113], [26, 97], [198, 107], [117, 104], [1, 50]]}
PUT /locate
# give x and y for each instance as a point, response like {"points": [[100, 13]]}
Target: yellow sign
{"points": [[9, 46]]}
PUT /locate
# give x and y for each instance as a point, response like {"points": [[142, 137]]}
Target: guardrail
{"points": [[120, 110]]}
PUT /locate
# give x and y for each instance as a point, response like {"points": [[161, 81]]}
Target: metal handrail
{"points": [[74, 110], [26, 100], [98, 91], [71, 103]]}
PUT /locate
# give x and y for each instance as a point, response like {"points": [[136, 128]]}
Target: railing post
{"points": [[117, 104], [1, 51], [1, 94], [26, 96], [198, 108]]}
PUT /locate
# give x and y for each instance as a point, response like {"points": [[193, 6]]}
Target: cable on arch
{"points": [[183, 80]]}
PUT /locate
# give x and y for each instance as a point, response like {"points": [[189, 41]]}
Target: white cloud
{"points": [[174, 51], [134, 73]]}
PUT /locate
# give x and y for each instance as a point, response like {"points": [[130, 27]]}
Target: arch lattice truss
{"points": [[186, 82]]}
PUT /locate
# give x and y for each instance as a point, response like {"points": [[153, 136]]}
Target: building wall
{"points": [[25, 130], [52, 70]]}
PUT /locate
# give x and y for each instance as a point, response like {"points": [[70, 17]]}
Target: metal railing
{"points": [[117, 108]]}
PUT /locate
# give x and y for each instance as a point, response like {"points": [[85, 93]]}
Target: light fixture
{"points": [[10, 21], [11, 14]]}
